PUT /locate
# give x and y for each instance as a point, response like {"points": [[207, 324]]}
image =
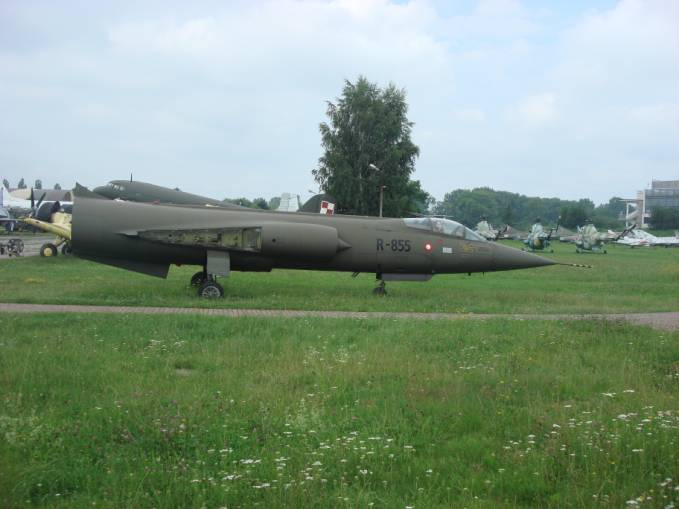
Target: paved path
{"points": [[666, 321]]}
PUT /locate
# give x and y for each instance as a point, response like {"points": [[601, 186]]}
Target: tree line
{"points": [[502, 207], [22, 184]]}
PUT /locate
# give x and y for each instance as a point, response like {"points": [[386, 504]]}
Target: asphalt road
{"points": [[664, 321]]}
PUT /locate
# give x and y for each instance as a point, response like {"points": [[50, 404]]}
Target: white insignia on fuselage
{"points": [[447, 250]]}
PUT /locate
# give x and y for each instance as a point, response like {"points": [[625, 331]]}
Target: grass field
{"points": [[181, 411], [625, 280]]}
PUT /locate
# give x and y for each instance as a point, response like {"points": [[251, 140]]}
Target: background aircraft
{"points": [[12, 203], [538, 239], [143, 192], [7, 221], [641, 238]]}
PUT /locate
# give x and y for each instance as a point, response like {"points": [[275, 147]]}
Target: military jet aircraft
{"points": [[148, 238]]}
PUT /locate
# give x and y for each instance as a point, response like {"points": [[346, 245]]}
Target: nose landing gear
{"points": [[380, 289]]}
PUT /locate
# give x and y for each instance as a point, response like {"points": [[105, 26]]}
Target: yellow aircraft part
{"points": [[61, 230]]}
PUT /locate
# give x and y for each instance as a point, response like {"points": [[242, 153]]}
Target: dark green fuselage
{"points": [[148, 238]]}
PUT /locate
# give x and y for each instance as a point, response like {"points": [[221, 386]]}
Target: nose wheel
{"points": [[380, 289]]}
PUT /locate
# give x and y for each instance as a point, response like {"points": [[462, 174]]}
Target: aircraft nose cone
{"points": [[508, 258]]}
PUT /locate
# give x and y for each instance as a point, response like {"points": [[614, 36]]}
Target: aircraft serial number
{"points": [[393, 244]]}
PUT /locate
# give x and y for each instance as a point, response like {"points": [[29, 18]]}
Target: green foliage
{"points": [[274, 202], [5, 182], [38, 184], [21, 184], [665, 218], [257, 203], [416, 201], [57, 186], [502, 207], [187, 411], [573, 215], [260, 203], [368, 125], [608, 214]]}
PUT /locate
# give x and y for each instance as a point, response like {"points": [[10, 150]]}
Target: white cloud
{"points": [[538, 109]]}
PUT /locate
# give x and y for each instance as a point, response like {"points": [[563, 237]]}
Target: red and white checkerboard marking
{"points": [[327, 208]]}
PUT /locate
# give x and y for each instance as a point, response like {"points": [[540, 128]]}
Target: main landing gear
{"points": [[50, 249], [207, 284], [217, 263], [210, 289]]}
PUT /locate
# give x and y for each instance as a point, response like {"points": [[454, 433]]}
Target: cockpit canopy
{"points": [[443, 226], [115, 187]]}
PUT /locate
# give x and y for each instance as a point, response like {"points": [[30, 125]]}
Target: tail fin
{"points": [[4, 192], [320, 204]]}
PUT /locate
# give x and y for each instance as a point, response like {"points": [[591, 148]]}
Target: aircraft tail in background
{"points": [[320, 204]]}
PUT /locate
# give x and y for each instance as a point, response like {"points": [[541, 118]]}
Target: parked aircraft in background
{"points": [[143, 192], [538, 239], [12, 203], [641, 238], [6, 220]]}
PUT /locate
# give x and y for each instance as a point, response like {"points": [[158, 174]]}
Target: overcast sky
{"points": [[579, 99]]}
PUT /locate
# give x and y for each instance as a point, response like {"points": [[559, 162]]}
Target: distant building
{"points": [[663, 193]]}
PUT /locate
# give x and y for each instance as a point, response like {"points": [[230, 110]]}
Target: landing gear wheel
{"points": [[66, 249], [577, 250], [48, 249], [605, 252], [198, 278], [380, 290], [211, 289]]}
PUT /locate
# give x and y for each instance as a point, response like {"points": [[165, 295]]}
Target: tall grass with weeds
{"points": [[163, 411]]}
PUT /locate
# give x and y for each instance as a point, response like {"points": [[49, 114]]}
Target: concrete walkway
{"points": [[665, 321]]}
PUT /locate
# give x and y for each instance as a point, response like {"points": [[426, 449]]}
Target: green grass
{"points": [[624, 280], [181, 411]]}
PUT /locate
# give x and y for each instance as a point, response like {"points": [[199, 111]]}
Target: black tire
{"points": [[15, 247], [198, 278], [381, 291], [211, 289], [66, 249], [48, 250]]}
